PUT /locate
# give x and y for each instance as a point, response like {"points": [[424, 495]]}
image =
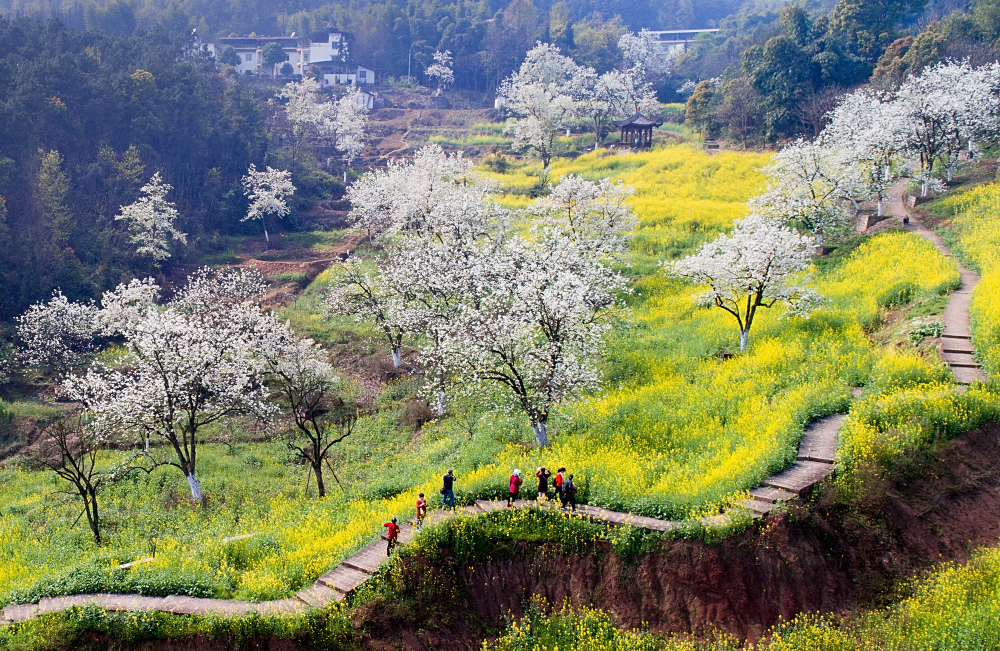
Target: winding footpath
{"points": [[814, 462], [956, 340]]}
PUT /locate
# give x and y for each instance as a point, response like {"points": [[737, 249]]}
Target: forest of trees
{"points": [[86, 119]]}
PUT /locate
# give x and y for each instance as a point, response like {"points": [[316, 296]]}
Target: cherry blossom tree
{"points": [[151, 221], [267, 192], [57, 334], [441, 69], [806, 183], [541, 97], [191, 362], [759, 264]]}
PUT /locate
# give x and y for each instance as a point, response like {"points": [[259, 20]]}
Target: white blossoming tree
{"points": [[642, 54], [351, 121], [541, 97], [864, 129], [57, 334], [307, 385], [441, 70], [367, 294], [151, 221], [267, 192], [807, 182], [759, 264], [191, 362]]}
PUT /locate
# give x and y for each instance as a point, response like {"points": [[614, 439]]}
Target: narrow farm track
{"points": [[957, 350], [815, 462]]}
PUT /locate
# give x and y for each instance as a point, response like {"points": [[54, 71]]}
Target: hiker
{"points": [[543, 475], [392, 535], [421, 511], [515, 487], [447, 491], [558, 483], [569, 490]]}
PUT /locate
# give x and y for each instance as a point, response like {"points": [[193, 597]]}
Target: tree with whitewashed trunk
{"points": [[544, 303], [57, 334], [267, 192], [937, 112], [350, 124], [863, 127], [806, 182], [541, 96], [191, 362], [365, 292], [759, 264], [441, 70], [151, 221], [306, 382]]}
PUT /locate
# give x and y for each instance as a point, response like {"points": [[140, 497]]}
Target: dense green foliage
{"points": [[86, 118]]}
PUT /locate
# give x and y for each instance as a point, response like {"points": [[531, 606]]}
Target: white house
{"points": [[327, 49], [250, 51]]}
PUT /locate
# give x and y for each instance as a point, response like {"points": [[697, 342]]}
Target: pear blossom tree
{"points": [[615, 95], [350, 123], [541, 97], [807, 182], [307, 383], [57, 334], [545, 303], [151, 220], [267, 192], [367, 295], [759, 264], [307, 113], [441, 69], [863, 127], [939, 111], [193, 361], [642, 55]]}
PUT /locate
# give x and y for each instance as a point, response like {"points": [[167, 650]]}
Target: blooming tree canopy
{"points": [[759, 264], [541, 97], [306, 112], [806, 183], [151, 220], [643, 55], [267, 192], [441, 69], [189, 363], [350, 123], [58, 333]]}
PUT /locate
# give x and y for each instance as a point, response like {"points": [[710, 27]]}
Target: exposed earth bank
{"points": [[828, 554]]}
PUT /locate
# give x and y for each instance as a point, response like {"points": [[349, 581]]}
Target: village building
{"points": [[326, 52]]}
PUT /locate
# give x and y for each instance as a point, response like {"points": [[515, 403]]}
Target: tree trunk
{"points": [[440, 403], [951, 173], [880, 206], [744, 337], [195, 486], [541, 433], [320, 486], [266, 238], [397, 357], [93, 518], [923, 189]]}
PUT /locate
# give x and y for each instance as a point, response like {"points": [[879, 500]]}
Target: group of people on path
{"points": [[565, 488]]}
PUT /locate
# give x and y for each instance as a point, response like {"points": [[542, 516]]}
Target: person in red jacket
{"points": [[558, 483], [421, 511], [515, 487], [392, 535]]}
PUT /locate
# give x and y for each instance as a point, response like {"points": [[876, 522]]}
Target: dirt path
{"points": [[956, 342]]}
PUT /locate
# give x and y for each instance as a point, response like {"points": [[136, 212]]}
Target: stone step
{"points": [[802, 476], [343, 578], [20, 612], [317, 595], [756, 507], [957, 346], [281, 607], [406, 533], [819, 440], [771, 495], [960, 359], [955, 336], [964, 375]]}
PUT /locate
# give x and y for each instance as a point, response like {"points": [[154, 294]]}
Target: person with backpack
{"points": [[393, 535], [447, 490], [543, 475], [421, 511], [515, 487], [569, 490], [558, 483]]}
